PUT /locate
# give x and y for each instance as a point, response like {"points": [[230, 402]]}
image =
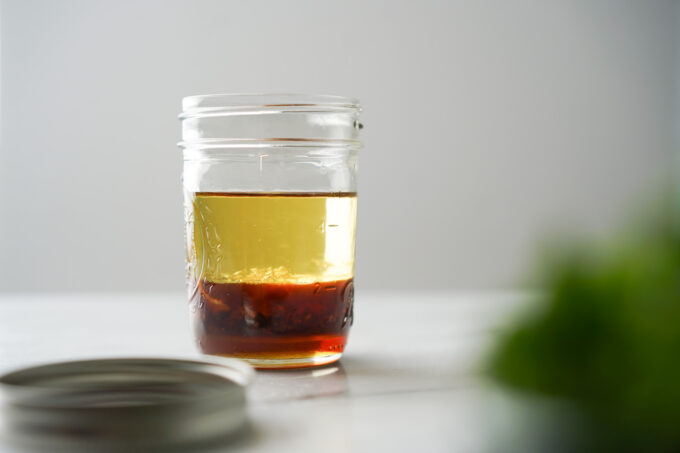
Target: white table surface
{"points": [[408, 380]]}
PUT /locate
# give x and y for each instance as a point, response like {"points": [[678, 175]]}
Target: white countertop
{"points": [[408, 380]]}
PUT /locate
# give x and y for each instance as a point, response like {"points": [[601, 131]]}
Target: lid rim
{"points": [[22, 385]]}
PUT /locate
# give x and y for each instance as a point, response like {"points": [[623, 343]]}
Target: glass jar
{"points": [[270, 210]]}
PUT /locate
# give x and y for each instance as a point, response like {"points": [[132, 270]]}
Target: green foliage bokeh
{"points": [[606, 339]]}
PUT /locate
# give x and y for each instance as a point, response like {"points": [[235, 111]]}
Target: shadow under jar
{"points": [[270, 211]]}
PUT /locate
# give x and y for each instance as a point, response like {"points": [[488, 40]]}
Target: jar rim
{"points": [[237, 102]]}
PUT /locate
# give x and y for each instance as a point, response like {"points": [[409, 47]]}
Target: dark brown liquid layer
{"points": [[273, 320]]}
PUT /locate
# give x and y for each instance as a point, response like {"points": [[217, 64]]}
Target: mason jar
{"points": [[270, 187]]}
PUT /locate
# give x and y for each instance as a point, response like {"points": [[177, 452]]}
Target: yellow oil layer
{"points": [[271, 238]]}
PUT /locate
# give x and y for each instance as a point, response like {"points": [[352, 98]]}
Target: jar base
{"points": [[292, 362], [282, 352]]}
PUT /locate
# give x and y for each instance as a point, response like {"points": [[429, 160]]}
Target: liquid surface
{"points": [[271, 275]]}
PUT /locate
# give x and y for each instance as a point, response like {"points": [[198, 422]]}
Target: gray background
{"points": [[489, 125]]}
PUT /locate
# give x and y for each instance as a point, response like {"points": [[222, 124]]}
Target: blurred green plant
{"points": [[605, 338]]}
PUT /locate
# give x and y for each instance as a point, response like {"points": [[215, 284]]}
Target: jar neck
{"points": [[210, 122]]}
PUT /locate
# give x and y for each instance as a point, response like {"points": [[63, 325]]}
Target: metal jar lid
{"points": [[135, 404]]}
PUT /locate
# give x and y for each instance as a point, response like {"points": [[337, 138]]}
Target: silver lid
{"points": [[138, 404]]}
